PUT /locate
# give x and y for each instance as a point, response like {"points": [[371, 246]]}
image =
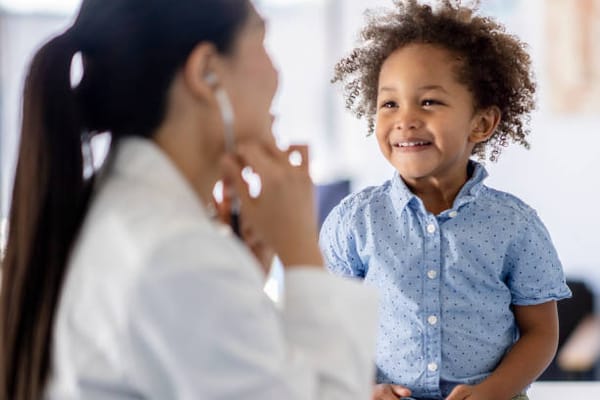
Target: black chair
{"points": [[572, 313], [328, 196]]}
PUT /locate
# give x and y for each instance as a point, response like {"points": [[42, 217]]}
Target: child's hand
{"points": [[469, 392], [385, 391]]}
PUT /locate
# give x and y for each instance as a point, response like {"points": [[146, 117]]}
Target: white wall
{"points": [[306, 38], [20, 35], [557, 176]]}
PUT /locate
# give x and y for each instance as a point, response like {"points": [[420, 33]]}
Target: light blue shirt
{"points": [[447, 282]]}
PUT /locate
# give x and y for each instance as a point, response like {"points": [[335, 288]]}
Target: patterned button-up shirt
{"points": [[447, 282]]}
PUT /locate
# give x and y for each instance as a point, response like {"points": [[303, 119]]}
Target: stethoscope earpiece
{"points": [[211, 79]]}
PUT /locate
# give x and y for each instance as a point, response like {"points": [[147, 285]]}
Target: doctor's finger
{"points": [[232, 171], [302, 150], [223, 207], [275, 152], [258, 158]]}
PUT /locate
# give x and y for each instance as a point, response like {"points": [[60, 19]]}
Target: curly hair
{"points": [[495, 65]]}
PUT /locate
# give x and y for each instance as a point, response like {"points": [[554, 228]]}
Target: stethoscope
{"points": [[228, 118]]}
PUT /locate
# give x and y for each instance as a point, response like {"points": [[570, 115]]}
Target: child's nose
{"points": [[407, 120]]}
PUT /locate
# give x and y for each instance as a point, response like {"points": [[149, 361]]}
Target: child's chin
{"points": [[412, 170]]}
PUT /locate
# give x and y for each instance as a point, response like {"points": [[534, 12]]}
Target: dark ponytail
{"points": [[49, 200], [131, 50]]}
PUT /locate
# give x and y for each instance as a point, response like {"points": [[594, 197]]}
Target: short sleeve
{"points": [[338, 243], [535, 273]]}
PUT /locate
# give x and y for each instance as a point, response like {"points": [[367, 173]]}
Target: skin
{"points": [[192, 136], [421, 104], [427, 124]]}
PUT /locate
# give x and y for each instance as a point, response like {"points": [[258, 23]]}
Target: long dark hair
{"points": [[131, 50]]}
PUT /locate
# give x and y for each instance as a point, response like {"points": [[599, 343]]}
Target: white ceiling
{"points": [[70, 6]]}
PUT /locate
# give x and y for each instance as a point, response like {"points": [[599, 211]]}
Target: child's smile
{"points": [[439, 83], [426, 119], [410, 145]]}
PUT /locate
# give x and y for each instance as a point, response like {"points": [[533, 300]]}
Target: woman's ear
{"points": [[485, 123], [199, 74]]}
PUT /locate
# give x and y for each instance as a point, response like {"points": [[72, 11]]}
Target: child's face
{"points": [[426, 123]]}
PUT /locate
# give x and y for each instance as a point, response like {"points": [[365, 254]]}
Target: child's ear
{"points": [[485, 123]]}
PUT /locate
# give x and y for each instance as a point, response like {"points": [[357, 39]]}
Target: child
{"points": [[468, 275]]}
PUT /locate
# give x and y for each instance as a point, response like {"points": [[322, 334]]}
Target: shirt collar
{"points": [[402, 196]]}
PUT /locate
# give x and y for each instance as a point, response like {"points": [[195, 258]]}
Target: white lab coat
{"points": [[159, 303]]}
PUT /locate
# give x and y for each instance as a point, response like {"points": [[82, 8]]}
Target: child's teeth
{"points": [[411, 144]]}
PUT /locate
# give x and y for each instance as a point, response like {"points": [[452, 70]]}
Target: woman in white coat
{"points": [[122, 286]]}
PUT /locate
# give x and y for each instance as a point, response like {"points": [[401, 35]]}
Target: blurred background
{"points": [[557, 176]]}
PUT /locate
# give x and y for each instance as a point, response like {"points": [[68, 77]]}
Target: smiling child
{"points": [[468, 275]]}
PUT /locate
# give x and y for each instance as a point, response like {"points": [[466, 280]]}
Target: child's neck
{"points": [[437, 201], [438, 194]]}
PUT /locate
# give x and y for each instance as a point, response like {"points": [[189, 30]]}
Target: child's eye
{"points": [[430, 102], [388, 104]]}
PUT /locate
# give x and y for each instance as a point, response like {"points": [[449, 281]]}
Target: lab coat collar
{"points": [[143, 161]]}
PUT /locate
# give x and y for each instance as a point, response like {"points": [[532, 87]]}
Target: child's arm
{"points": [[529, 357], [337, 242]]}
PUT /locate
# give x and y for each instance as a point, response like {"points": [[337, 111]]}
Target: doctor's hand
{"points": [[263, 253], [258, 246], [283, 213], [386, 391]]}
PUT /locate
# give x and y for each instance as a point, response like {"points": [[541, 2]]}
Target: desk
{"points": [[581, 390]]}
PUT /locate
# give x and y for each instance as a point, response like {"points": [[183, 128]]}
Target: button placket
{"points": [[431, 309]]}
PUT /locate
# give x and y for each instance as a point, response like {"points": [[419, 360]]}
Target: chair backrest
{"points": [[328, 196], [572, 311]]}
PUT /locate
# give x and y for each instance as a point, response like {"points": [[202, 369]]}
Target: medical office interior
{"points": [[557, 176]]}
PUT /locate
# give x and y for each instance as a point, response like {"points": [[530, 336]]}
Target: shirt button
{"points": [[432, 367], [453, 214], [432, 319], [431, 228], [432, 274]]}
